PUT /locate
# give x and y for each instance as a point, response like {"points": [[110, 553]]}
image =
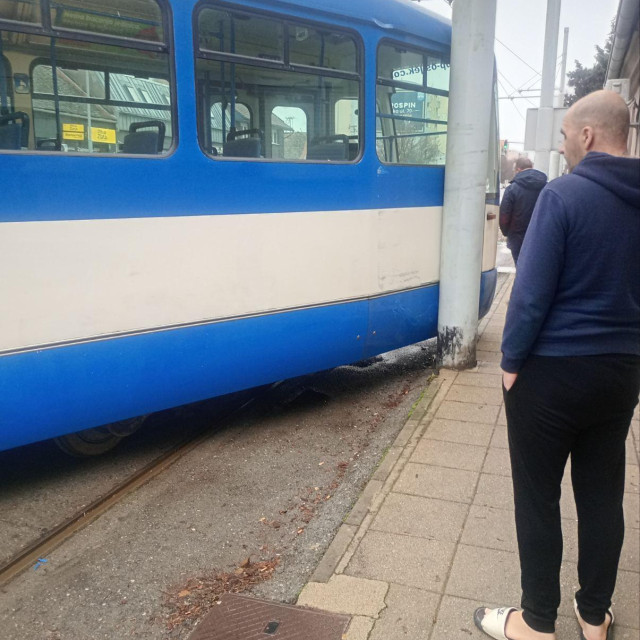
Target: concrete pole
{"points": [[554, 165], [544, 132], [563, 68], [470, 101], [560, 96], [554, 158]]}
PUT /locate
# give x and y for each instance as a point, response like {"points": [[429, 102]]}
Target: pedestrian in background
{"points": [[518, 202], [571, 362]]}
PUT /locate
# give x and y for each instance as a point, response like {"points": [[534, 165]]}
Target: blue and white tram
{"points": [[202, 197]]}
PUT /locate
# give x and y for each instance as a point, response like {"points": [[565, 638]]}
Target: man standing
{"points": [[571, 362], [518, 202]]}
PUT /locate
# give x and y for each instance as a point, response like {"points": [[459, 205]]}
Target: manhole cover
{"points": [[242, 618]]}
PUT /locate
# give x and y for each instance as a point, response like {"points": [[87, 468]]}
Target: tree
{"points": [[583, 79]]}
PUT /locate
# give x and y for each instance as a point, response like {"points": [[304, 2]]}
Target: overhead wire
{"points": [[512, 102], [514, 89], [517, 56], [533, 80]]}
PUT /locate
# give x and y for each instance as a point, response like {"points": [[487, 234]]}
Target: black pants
{"points": [[578, 406], [515, 253]]}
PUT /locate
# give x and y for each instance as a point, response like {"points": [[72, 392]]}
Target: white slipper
{"points": [[609, 611], [493, 622]]}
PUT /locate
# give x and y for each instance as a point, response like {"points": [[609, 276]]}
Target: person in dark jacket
{"points": [[518, 202], [571, 363]]}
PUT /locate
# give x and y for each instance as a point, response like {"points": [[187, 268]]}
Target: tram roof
{"points": [[396, 16]]}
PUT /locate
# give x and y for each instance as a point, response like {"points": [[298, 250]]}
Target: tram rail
{"points": [[45, 544]]}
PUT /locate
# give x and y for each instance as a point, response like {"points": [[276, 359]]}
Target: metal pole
{"points": [[470, 101], [544, 132], [89, 123]]}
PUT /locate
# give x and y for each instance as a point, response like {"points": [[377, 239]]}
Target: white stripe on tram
{"points": [[74, 280]]}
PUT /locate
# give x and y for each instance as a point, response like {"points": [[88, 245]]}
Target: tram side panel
{"points": [[141, 283]]}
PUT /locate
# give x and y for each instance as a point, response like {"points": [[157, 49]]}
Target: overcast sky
{"points": [[520, 26]]}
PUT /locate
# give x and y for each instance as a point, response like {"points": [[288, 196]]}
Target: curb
{"points": [[350, 533], [355, 526]]}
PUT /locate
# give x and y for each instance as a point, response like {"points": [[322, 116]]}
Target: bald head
{"points": [[606, 112], [597, 122]]}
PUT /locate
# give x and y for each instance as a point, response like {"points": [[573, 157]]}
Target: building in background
{"points": [[623, 72]]}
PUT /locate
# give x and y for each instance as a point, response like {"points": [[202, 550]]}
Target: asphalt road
{"points": [[272, 486]]}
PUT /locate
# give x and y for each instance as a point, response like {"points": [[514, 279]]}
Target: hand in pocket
{"points": [[508, 379]]}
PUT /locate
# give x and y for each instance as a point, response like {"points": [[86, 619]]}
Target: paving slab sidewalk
{"points": [[432, 536]]}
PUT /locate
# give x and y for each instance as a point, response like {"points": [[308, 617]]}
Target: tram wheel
{"points": [[99, 440], [90, 442]]}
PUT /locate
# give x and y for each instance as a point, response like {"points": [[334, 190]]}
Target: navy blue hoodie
{"points": [[518, 203], [577, 288]]}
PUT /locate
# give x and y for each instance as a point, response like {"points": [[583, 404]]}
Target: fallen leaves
{"points": [[394, 399], [193, 599], [271, 523]]}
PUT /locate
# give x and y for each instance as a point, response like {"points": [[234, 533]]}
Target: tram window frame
{"points": [[288, 23], [275, 138], [217, 144], [91, 11], [493, 164], [164, 48], [38, 9], [5, 68], [423, 88]]}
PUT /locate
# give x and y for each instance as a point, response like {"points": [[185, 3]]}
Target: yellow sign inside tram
{"points": [[103, 135]]}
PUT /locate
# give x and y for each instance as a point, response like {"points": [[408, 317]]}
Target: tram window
{"points": [[493, 165], [6, 87], [99, 109], [288, 133], [272, 92], [412, 101], [20, 10], [406, 66], [223, 122], [384, 144], [302, 97], [111, 95], [121, 18], [241, 34], [347, 116], [320, 48], [71, 82]]}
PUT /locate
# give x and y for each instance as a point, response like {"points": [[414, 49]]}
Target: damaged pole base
{"points": [[455, 350]]}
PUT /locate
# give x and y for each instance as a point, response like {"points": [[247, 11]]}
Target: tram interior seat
{"points": [[246, 143], [49, 144], [145, 142], [335, 148], [14, 130]]}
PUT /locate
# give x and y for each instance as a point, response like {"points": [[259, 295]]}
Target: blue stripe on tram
{"points": [[54, 391]]}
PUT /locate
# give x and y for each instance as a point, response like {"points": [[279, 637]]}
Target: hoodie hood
{"points": [[531, 179], [618, 174]]}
